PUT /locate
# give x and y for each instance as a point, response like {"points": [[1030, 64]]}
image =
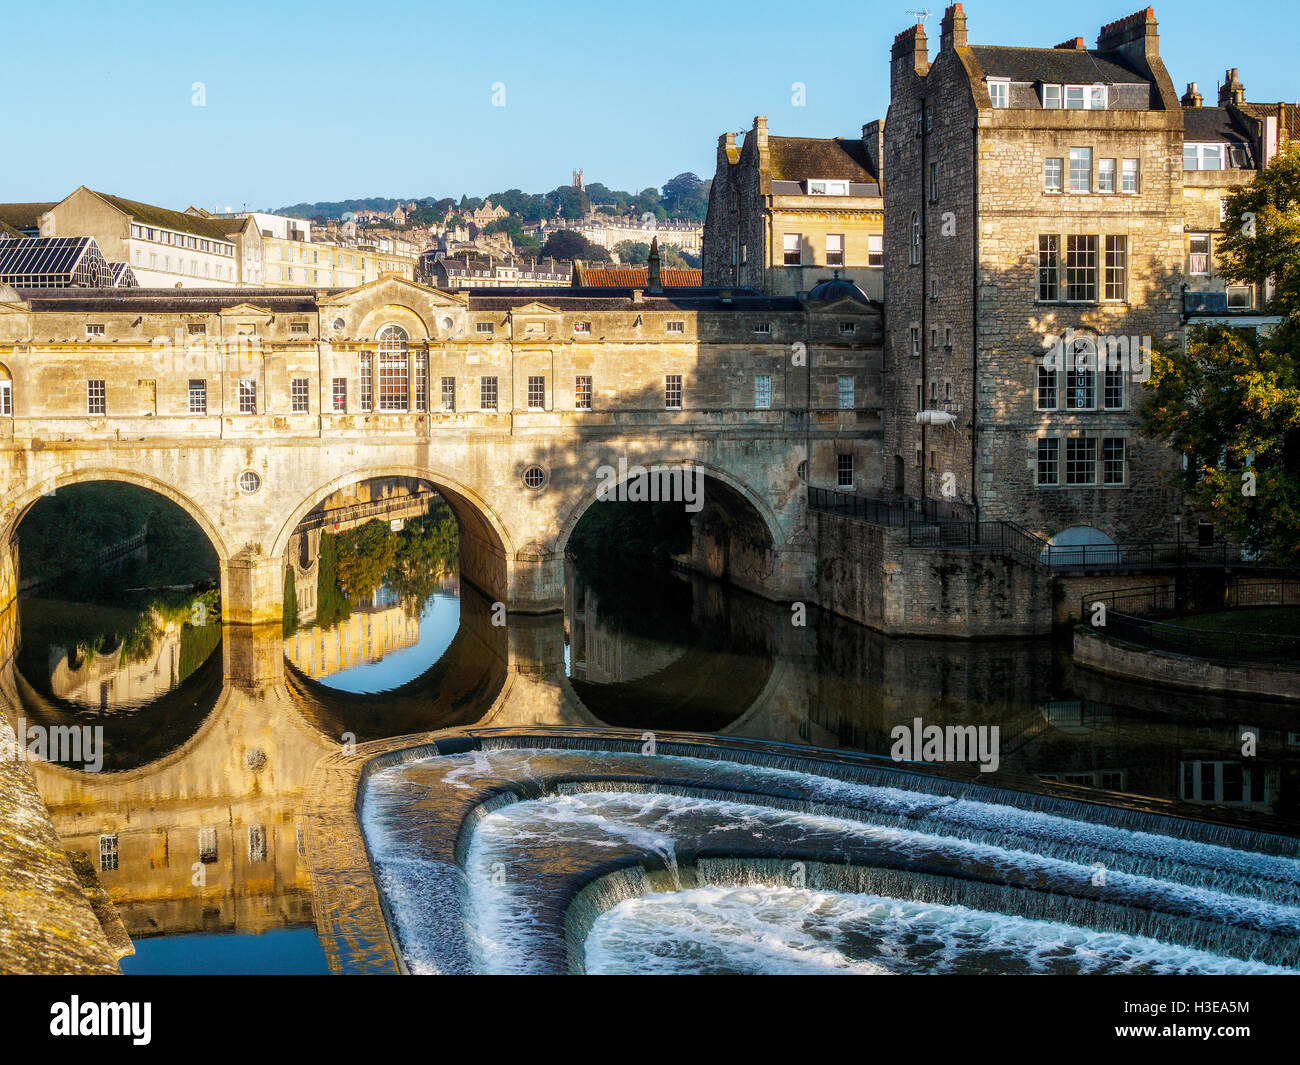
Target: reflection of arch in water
{"points": [[457, 689], [138, 737], [646, 681], [485, 547]]}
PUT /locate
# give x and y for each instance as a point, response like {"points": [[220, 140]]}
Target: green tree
{"points": [[686, 198], [1230, 401], [632, 252], [570, 244], [365, 555]]}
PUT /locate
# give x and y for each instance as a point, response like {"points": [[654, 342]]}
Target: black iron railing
{"points": [[894, 513], [1159, 617]]}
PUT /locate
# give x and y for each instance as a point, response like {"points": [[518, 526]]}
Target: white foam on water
{"points": [[785, 930], [503, 916]]}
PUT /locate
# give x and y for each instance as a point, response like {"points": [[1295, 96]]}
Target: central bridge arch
{"points": [[485, 545]]}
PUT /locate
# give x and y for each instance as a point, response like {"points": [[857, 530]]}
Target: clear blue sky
{"points": [[328, 100]]}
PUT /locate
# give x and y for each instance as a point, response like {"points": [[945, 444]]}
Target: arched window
{"points": [[394, 368], [916, 239]]}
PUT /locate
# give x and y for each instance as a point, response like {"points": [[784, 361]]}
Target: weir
{"points": [[606, 827]]}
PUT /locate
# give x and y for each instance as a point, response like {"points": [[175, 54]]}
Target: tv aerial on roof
{"points": [[923, 15]]}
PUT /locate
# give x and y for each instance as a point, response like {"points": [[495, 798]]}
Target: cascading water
{"points": [[565, 859]]}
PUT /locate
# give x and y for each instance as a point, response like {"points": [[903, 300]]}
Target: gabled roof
{"points": [[20, 217], [1066, 66], [165, 218], [833, 158], [39, 262]]}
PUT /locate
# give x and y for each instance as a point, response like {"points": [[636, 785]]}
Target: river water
{"points": [[194, 818]]}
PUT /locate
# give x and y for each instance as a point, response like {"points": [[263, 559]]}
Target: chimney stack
{"points": [[1232, 91], [1074, 45], [1135, 34], [952, 29], [1192, 98], [910, 52], [760, 131]]}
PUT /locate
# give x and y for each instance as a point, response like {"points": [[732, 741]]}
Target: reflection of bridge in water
{"points": [[227, 800]]}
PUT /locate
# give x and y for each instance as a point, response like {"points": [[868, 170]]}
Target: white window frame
{"points": [[1050, 92], [196, 393], [1079, 150], [247, 390], [834, 255], [797, 251], [6, 399], [1199, 148], [999, 92], [1129, 168], [536, 392], [843, 467], [1102, 171], [674, 383], [762, 391], [1091, 97], [1057, 171], [824, 187], [1197, 259], [876, 251], [96, 397]]}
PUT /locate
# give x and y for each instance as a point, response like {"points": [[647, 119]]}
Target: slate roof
{"points": [[169, 300], [614, 299], [20, 217], [1210, 124], [164, 218], [1064, 66], [834, 158]]}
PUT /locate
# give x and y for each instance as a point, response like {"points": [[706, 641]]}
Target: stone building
{"points": [[1224, 147], [1035, 206], [164, 248], [442, 271], [786, 211]]}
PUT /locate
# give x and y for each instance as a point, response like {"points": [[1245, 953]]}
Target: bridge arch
{"points": [[737, 491], [486, 546], [10, 521], [736, 536]]}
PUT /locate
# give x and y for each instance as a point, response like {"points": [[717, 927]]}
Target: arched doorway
{"points": [[1081, 545]]}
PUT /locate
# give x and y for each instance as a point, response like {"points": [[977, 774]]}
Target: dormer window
{"points": [[1051, 95], [1000, 92], [1086, 97], [828, 188], [1204, 156]]}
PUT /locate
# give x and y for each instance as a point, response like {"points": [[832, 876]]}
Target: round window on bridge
{"points": [[249, 482], [534, 478]]}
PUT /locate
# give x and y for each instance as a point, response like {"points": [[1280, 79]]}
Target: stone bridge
{"points": [[248, 408]]}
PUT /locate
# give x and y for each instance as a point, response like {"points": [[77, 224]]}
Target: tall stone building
{"points": [[1224, 147], [784, 212], [1034, 207]]}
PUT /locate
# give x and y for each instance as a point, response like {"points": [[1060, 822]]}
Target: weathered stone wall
{"points": [[1095, 652], [869, 574], [48, 926]]}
